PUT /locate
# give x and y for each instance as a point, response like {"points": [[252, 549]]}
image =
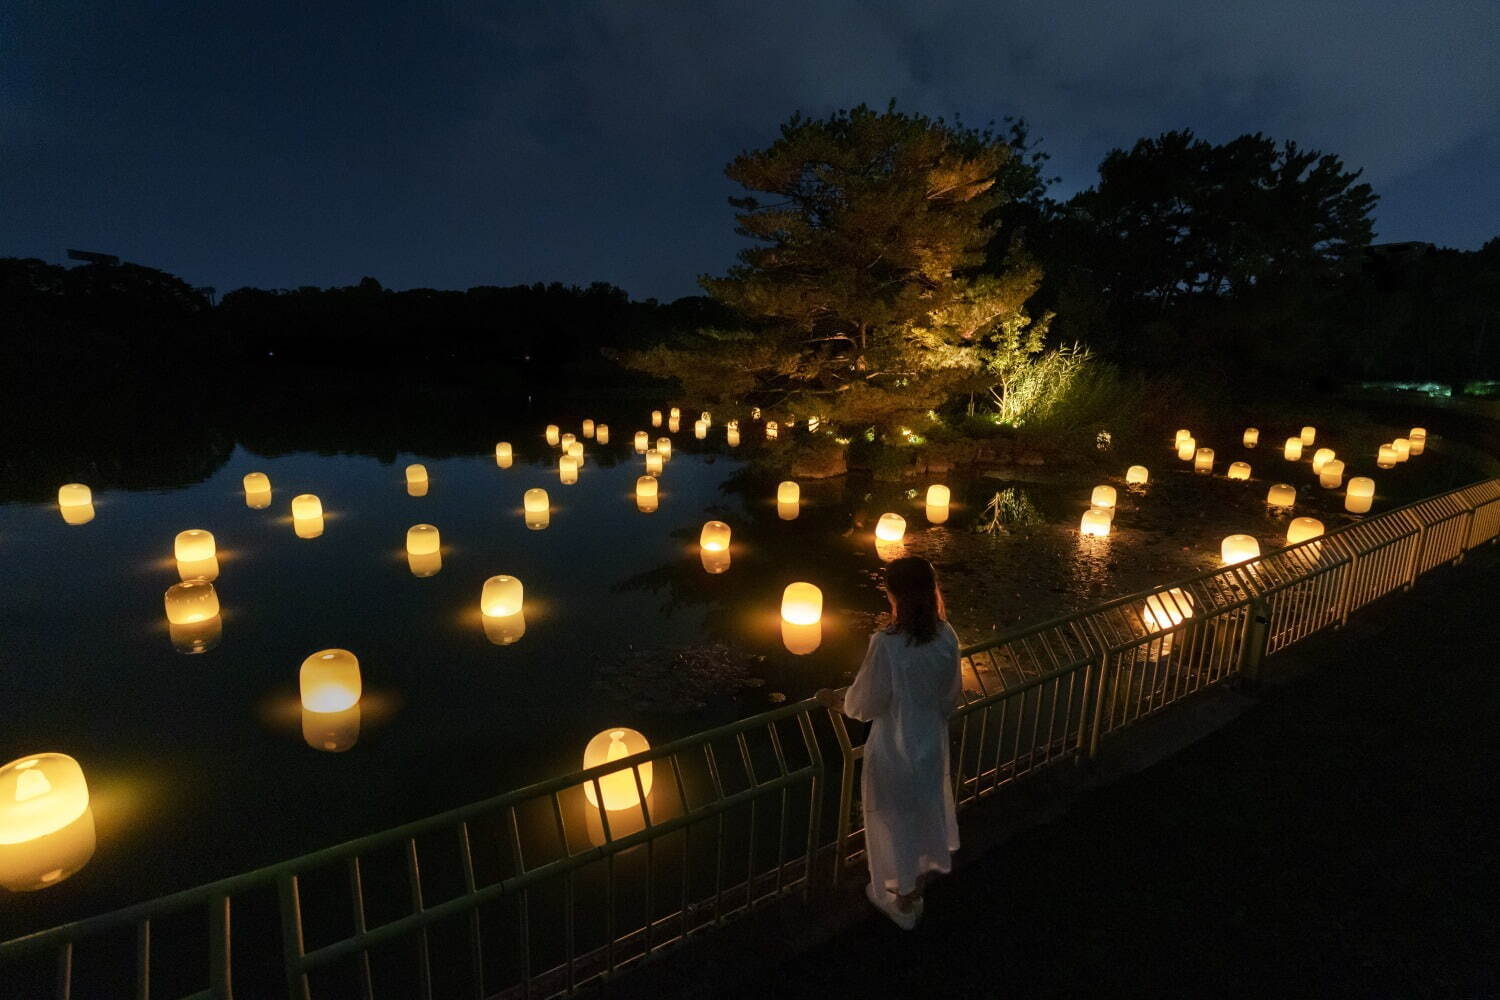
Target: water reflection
{"points": [[199, 569], [801, 639], [333, 732], [308, 527], [196, 637], [258, 499], [424, 564], [502, 630], [416, 489], [714, 561], [78, 513], [937, 514], [536, 520], [888, 550], [788, 510], [49, 859]]}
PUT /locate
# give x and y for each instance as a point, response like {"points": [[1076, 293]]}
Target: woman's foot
{"points": [[886, 902]]}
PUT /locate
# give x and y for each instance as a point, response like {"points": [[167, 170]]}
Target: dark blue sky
{"points": [[449, 145]]}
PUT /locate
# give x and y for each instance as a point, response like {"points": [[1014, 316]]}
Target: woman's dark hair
{"points": [[913, 588]]}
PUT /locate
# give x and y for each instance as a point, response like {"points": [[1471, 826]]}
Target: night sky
{"points": [[452, 145]]}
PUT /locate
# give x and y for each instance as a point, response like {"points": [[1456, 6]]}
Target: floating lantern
{"points": [[1095, 523], [707, 418], [802, 604], [771, 430], [618, 787], [1320, 458], [74, 495], [258, 499], [642, 442], [655, 418], [1403, 448], [44, 861], [191, 601], [1238, 548], [653, 462], [193, 544], [664, 445], [502, 597], [1332, 475], [422, 539], [567, 470], [714, 537], [1293, 450], [1418, 444], [1204, 461], [567, 441], [646, 494], [812, 425], [257, 483], [791, 421], [1103, 496], [1187, 448], [331, 732], [601, 434], [1303, 528], [700, 430], [714, 562], [674, 425], [503, 455], [503, 630], [330, 681], [1252, 437], [1281, 495], [938, 495], [732, 436], [675, 413], [754, 413], [1359, 495], [535, 501], [552, 434], [1385, 458], [40, 794], [788, 492], [890, 528], [1137, 475], [306, 505], [1166, 609], [424, 564], [801, 640], [1183, 434], [788, 511], [588, 428], [198, 569], [1309, 435], [1239, 470], [416, 475], [308, 527]]}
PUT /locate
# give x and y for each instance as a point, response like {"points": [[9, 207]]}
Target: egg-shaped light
{"points": [[193, 545], [714, 537], [700, 430], [1281, 495], [588, 428], [1137, 475], [1103, 496], [567, 470], [732, 436], [191, 601], [890, 528], [1095, 522], [1403, 448], [1251, 437], [618, 787], [1203, 460], [504, 456], [1303, 528], [553, 434], [788, 492], [1187, 449], [1359, 495], [664, 446], [1385, 457], [653, 462], [1166, 609], [40, 794], [601, 433], [306, 505], [642, 442], [330, 681], [1183, 434], [422, 539], [1308, 435], [802, 603], [416, 475], [74, 495], [1320, 458], [1332, 475], [502, 596], [256, 482], [1238, 548], [1239, 470], [1293, 450], [535, 501]]}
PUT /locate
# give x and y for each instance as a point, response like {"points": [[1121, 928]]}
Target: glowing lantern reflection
{"points": [[1137, 475], [700, 430], [618, 787], [1238, 548], [788, 511], [330, 681], [655, 418], [714, 562], [646, 489], [588, 428], [1239, 470], [890, 528], [416, 475], [308, 527], [422, 539], [424, 564], [1103, 496], [653, 462], [771, 430], [1252, 437], [331, 732], [502, 597], [78, 514], [1332, 476], [503, 630], [802, 604], [732, 436], [193, 544], [1095, 522], [567, 470], [1385, 458], [196, 637], [257, 483], [801, 640], [1303, 528], [191, 601], [1293, 450], [551, 434], [1166, 609], [1309, 435], [74, 495], [788, 492], [1403, 448], [53, 857], [714, 537], [664, 446], [1360, 495], [503, 455], [1320, 458], [1187, 448], [642, 442], [601, 434], [1204, 460], [1281, 495]]}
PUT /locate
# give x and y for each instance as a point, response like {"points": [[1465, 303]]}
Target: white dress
{"points": [[908, 692]]}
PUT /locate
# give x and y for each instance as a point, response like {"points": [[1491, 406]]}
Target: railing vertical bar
{"points": [[357, 901], [292, 946], [424, 954], [476, 935], [65, 971], [143, 960], [523, 898], [219, 959]]}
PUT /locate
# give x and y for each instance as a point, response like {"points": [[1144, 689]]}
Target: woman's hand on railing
{"points": [[831, 699]]}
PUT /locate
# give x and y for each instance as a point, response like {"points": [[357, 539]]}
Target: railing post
{"points": [[1103, 677], [1257, 639], [1419, 544], [1346, 587], [1463, 547], [846, 794], [220, 985]]}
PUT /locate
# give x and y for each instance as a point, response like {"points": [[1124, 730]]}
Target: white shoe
{"points": [[885, 902]]}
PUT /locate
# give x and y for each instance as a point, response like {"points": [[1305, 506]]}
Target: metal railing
{"points": [[542, 891]]}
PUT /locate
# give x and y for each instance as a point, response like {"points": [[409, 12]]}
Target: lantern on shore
{"points": [[1360, 495], [642, 442], [1403, 448], [771, 430], [1303, 528], [588, 428], [423, 540], [1332, 476], [502, 596], [1166, 609], [618, 788], [653, 462], [646, 490], [1281, 495], [788, 492], [193, 545], [330, 681], [1385, 458], [1095, 522], [714, 537], [191, 601], [1237, 549], [567, 470], [553, 435], [1293, 450], [1320, 458], [503, 455], [306, 505], [1187, 449], [802, 604], [1251, 437], [655, 418], [601, 434], [732, 436], [890, 528], [1103, 496], [664, 445], [1239, 470], [40, 794], [1137, 475], [1418, 439], [1309, 435], [1204, 461]]}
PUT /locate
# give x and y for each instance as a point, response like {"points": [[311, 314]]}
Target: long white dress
{"points": [[907, 692]]}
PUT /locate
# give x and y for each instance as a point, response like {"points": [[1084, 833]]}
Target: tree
{"points": [[865, 294]]}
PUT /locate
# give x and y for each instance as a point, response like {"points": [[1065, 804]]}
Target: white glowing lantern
{"points": [[890, 528], [674, 424], [588, 428], [655, 418], [1252, 437], [306, 506], [771, 430], [191, 601], [1095, 522], [675, 413], [642, 442], [700, 430], [502, 597], [1204, 460], [1320, 458], [1303, 528], [552, 434], [1360, 495], [535, 501], [1309, 435], [1418, 439], [423, 540], [601, 434], [1403, 448], [647, 491], [1103, 496], [1187, 448], [40, 794], [1166, 609], [732, 436], [714, 537], [575, 451], [618, 787], [1239, 470], [193, 545], [1238, 548], [802, 604], [788, 492], [1183, 434], [1385, 458], [1281, 495], [1293, 450], [754, 413], [74, 495], [1332, 476], [707, 418], [503, 455], [256, 482], [416, 475], [653, 462], [567, 470], [938, 495], [330, 681], [664, 445], [567, 441], [1137, 475]]}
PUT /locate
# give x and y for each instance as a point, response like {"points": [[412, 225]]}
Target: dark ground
{"points": [[1338, 838]]}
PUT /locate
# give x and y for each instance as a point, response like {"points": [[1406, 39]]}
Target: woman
{"points": [[908, 686]]}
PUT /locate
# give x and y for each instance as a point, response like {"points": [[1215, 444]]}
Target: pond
{"points": [[203, 764]]}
